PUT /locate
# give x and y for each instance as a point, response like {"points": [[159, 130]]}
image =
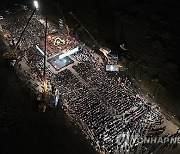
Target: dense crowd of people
{"points": [[120, 111], [105, 107], [31, 35], [84, 55], [66, 43]]}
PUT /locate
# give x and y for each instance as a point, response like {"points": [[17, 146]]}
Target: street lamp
{"points": [[36, 4]]}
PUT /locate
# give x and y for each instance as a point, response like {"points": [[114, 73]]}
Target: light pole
{"points": [[42, 105]]}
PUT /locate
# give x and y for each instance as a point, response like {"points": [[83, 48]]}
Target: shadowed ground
{"points": [[25, 130]]}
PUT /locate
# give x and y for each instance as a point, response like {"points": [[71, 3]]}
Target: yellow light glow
{"points": [[49, 37], [58, 41], [104, 52], [45, 85], [5, 35]]}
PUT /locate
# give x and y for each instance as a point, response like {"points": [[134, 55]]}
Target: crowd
{"points": [[66, 43], [84, 55], [31, 35], [121, 110], [105, 107]]}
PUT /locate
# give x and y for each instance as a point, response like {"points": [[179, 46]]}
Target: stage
{"points": [[60, 63]]}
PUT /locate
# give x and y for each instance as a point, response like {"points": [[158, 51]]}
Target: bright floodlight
{"points": [[36, 4]]}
